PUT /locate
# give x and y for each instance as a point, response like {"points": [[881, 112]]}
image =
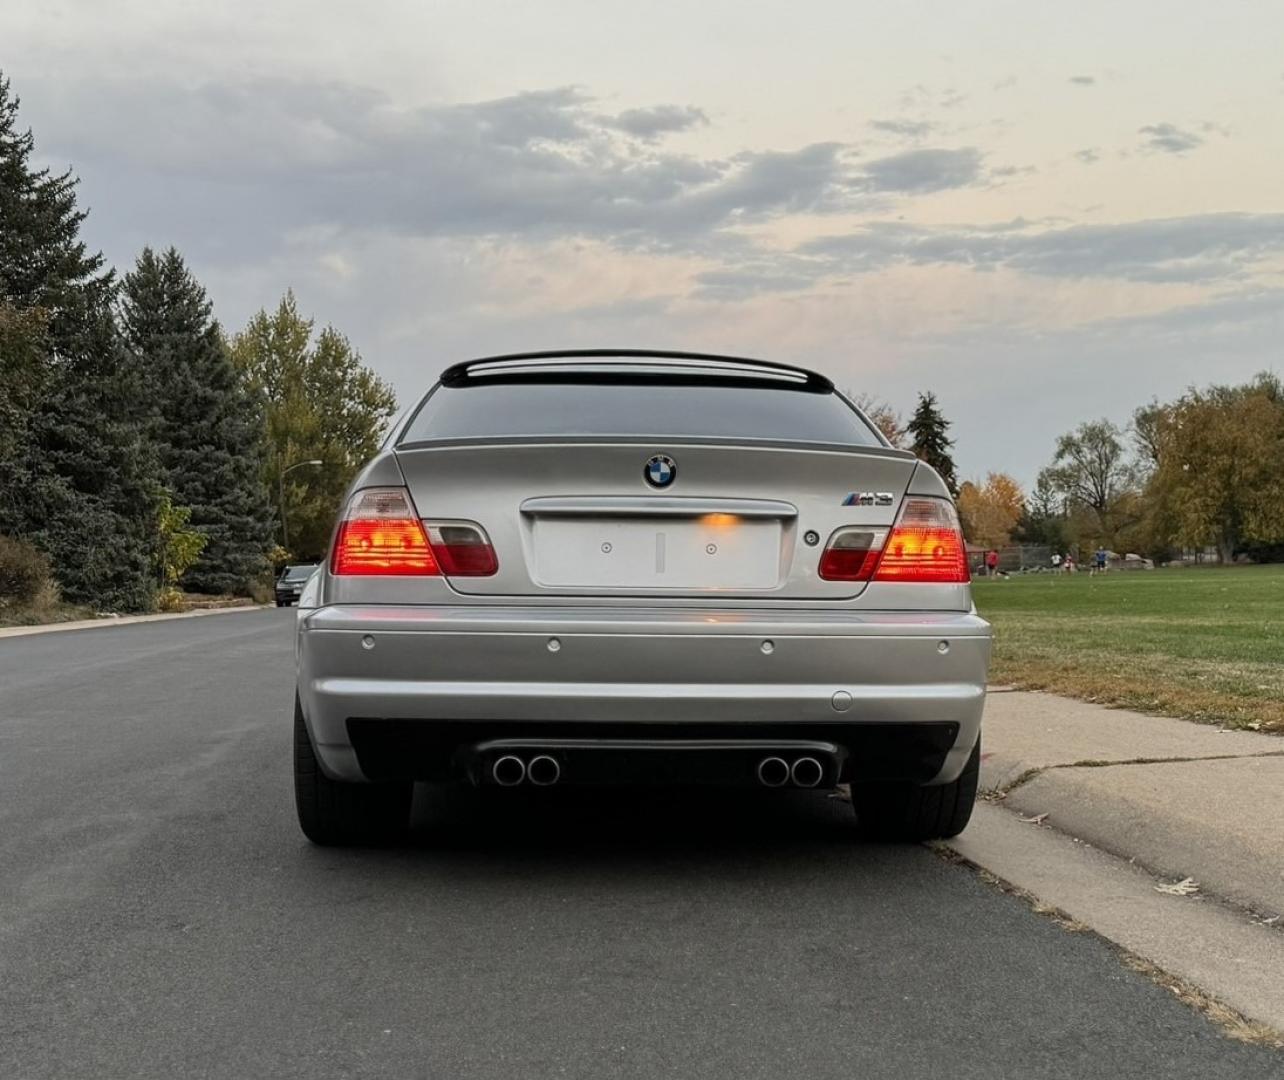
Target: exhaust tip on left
{"points": [[773, 772]]}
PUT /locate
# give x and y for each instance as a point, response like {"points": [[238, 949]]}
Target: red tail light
{"points": [[852, 554], [925, 546], [462, 549], [381, 534]]}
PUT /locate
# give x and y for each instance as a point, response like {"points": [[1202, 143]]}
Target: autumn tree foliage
{"points": [[990, 511], [882, 415]]}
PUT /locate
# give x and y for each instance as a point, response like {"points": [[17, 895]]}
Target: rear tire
{"points": [[914, 812], [337, 813]]}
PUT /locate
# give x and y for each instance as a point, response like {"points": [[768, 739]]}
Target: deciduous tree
{"points": [[1220, 473], [990, 511], [882, 416], [1093, 473], [178, 547], [320, 402]]}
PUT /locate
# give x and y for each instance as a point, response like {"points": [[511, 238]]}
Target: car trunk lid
{"points": [[571, 517]]}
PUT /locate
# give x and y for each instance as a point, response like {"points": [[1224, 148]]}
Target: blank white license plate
{"points": [[657, 553]]}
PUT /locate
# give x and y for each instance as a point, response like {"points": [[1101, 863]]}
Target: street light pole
{"points": [[280, 481]]}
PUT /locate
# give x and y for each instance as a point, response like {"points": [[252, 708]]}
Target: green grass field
{"points": [[1203, 644]]}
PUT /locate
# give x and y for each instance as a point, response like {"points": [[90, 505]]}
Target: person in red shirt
{"points": [[991, 563]]}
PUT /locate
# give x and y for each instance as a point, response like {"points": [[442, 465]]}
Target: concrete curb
{"points": [[1219, 950], [1209, 820], [122, 620], [1179, 798]]}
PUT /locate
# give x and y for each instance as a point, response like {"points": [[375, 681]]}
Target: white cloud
{"points": [[1169, 139], [1200, 248], [920, 171], [914, 129], [657, 120]]}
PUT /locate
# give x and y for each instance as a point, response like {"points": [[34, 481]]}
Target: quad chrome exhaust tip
{"points": [[773, 772], [804, 772], [807, 772], [543, 771], [508, 771]]}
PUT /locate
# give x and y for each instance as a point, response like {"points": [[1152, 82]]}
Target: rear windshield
{"points": [[298, 573], [626, 409]]}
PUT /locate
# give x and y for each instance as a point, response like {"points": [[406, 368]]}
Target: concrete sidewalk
{"points": [[1178, 798]]}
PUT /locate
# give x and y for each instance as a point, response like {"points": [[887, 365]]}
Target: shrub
{"points": [[170, 599], [180, 545], [261, 590], [25, 573]]}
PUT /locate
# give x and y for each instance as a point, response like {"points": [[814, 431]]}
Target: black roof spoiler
{"points": [[707, 369]]}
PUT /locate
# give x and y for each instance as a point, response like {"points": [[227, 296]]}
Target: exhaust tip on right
{"points": [[508, 771], [544, 770], [807, 772], [773, 772]]}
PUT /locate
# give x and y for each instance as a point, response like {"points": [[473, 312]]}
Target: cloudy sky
{"points": [[1043, 213]]}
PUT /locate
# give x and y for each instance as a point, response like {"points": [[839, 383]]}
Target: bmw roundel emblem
{"points": [[660, 471]]}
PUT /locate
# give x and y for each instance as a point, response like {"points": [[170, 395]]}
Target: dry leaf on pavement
{"points": [[1185, 887]]}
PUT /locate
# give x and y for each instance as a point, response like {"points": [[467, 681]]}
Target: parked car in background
{"points": [[640, 568], [290, 584]]}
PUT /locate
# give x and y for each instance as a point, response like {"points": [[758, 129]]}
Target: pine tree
{"points": [[23, 375], [930, 441], [207, 426], [84, 486]]}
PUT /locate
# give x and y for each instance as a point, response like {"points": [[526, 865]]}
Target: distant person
{"points": [[1056, 561], [1069, 563], [1100, 560], [991, 563]]}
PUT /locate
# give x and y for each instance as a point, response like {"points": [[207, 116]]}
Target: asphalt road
{"points": [[161, 915]]}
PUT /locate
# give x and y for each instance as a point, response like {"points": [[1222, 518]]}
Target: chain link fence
{"points": [[1013, 558], [1037, 559]]}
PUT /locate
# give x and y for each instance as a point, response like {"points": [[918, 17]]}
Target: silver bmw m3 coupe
{"points": [[640, 568]]}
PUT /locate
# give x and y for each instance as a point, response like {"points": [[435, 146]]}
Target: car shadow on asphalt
{"points": [[639, 819]]}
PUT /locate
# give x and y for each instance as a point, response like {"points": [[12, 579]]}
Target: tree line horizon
{"points": [[1205, 470]]}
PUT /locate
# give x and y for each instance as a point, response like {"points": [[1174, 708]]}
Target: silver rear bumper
{"points": [[528, 667]]}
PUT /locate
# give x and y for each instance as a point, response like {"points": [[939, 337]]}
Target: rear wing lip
{"points": [[586, 366], [642, 442]]}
